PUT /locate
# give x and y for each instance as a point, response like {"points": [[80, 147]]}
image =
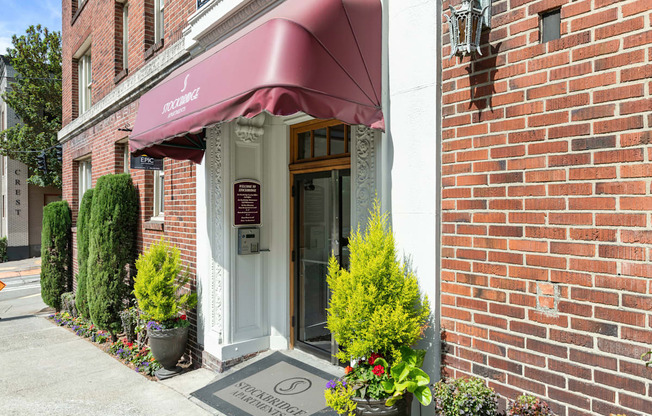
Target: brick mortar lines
{"points": [[463, 255]]}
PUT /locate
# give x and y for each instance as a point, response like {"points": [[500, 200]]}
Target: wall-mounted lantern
{"points": [[465, 26]]}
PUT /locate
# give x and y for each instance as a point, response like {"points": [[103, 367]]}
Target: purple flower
{"points": [[154, 326], [331, 384]]}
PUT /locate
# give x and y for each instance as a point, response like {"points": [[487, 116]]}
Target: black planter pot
{"points": [[168, 345], [369, 407]]}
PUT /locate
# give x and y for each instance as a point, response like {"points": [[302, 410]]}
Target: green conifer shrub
{"points": [[83, 231], [55, 252], [3, 249], [111, 247], [376, 305], [158, 284]]}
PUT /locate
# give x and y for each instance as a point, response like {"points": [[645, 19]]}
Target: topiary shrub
{"points": [[111, 247], [83, 231], [469, 397], [158, 284], [376, 305], [3, 249], [55, 252]]}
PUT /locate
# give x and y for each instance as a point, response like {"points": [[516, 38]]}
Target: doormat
{"points": [[274, 386]]}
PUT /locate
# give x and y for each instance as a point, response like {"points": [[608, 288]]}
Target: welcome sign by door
{"points": [[246, 203]]}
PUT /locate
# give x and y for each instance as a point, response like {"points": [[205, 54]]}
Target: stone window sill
{"points": [[78, 12], [121, 75], [155, 225], [153, 49]]}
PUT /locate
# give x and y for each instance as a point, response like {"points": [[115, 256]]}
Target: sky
{"points": [[17, 15]]}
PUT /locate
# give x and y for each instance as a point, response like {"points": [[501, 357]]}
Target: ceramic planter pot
{"points": [[370, 407], [167, 346]]}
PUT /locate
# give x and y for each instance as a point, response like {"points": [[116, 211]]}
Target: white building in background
{"points": [[22, 203]]}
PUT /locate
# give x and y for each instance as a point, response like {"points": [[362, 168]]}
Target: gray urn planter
{"points": [[370, 407], [167, 346]]}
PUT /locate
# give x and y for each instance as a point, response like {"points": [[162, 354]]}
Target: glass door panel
{"points": [[322, 228]]}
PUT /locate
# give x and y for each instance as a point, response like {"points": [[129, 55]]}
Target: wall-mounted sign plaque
{"points": [[146, 163], [246, 203]]}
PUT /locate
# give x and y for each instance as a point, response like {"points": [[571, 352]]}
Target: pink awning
{"points": [[320, 57]]}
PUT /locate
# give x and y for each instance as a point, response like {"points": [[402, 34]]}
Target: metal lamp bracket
{"points": [[486, 16]]}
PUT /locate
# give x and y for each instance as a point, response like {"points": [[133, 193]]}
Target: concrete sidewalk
{"points": [[27, 267]]}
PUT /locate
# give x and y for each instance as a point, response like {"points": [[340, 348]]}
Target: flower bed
{"points": [[138, 358]]}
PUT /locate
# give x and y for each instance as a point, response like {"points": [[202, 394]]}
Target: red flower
{"points": [[379, 370], [183, 317], [373, 357], [130, 344], [348, 369]]}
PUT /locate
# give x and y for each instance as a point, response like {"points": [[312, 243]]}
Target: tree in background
{"points": [[111, 248], [55, 252], [83, 232], [35, 96]]}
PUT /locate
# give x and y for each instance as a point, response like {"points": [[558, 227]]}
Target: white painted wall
{"points": [[410, 165], [244, 299]]}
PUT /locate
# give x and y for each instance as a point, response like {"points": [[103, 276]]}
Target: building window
{"points": [[159, 194], [85, 177], [85, 80], [319, 140], [126, 158], [125, 36], [550, 26], [159, 20]]}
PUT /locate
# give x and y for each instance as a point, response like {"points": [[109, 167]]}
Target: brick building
{"points": [[546, 194], [525, 170], [298, 152], [102, 79]]}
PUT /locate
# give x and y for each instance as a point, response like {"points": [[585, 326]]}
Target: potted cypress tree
{"points": [[157, 287], [376, 312]]}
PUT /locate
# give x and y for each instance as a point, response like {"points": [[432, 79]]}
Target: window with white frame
{"points": [[85, 177], [159, 20], [126, 158], [85, 80], [159, 194], [125, 35]]}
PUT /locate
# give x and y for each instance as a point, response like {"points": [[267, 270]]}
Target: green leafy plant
{"points": [[338, 395], [158, 285], [528, 405], [374, 378], [55, 252], [35, 97], [3, 249], [111, 247], [469, 397], [407, 375], [376, 305], [83, 232], [68, 303]]}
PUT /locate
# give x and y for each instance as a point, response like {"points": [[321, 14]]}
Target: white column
{"points": [[411, 165]]}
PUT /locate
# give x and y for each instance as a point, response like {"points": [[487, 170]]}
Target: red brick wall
{"points": [[547, 206], [102, 141], [102, 20]]}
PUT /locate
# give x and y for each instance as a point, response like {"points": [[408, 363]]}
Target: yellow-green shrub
{"points": [[376, 305], [158, 283]]}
